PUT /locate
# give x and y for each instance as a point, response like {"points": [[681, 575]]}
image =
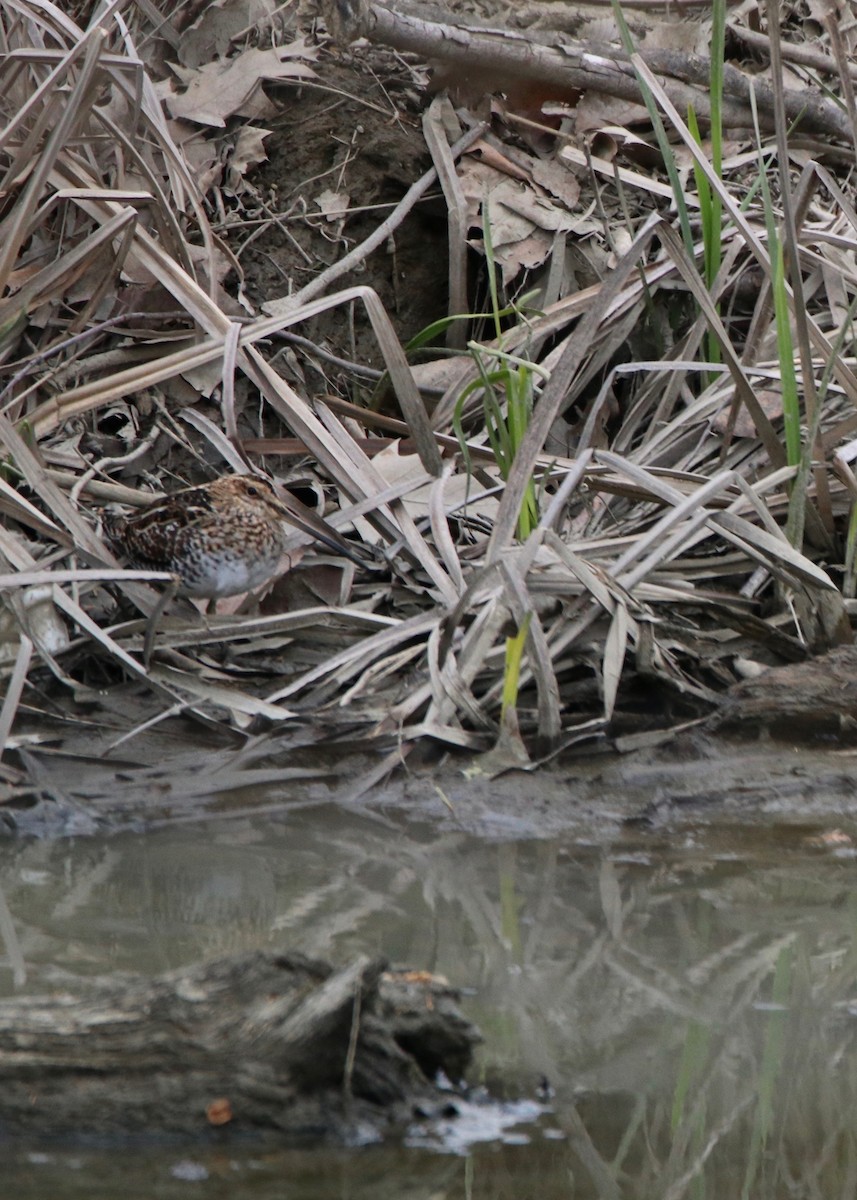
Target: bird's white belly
{"points": [[226, 574]]}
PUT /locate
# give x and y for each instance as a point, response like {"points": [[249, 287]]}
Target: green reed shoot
{"points": [[436, 329], [849, 587], [795, 451], [512, 673], [770, 1068], [785, 353], [507, 386], [710, 206], [694, 1060]]}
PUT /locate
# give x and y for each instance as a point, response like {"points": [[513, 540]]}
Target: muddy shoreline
{"points": [[781, 747]]}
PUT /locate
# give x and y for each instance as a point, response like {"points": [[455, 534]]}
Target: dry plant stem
{"points": [[843, 373], [574, 65], [14, 688], [363, 479], [355, 658], [157, 612], [677, 5], [360, 480], [57, 503], [106, 360], [344, 364], [789, 223], [73, 264], [15, 231], [235, 455], [227, 401], [805, 56], [33, 576], [456, 207], [14, 504], [743, 389], [553, 396], [552, 323], [831, 24], [161, 26]]}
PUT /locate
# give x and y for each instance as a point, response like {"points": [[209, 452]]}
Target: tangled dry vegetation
{"points": [[603, 495]]}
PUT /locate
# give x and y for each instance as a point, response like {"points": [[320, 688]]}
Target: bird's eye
{"points": [[252, 490]]}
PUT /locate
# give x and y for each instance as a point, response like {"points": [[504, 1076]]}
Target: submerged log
{"points": [[250, 1043]]}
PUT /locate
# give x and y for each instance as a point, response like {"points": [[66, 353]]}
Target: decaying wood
{"points": [[577, 65], [250, 1043], [801, 701]]}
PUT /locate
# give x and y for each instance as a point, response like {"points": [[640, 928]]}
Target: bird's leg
{"points": [[157, 612], [206, 609]]}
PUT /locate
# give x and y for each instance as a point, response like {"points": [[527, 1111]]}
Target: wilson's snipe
{"points": [[218, 539]]}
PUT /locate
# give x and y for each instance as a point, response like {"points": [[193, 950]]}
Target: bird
{"points": [[217, 539]]}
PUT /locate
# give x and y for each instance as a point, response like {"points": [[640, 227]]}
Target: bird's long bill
{"points": [[305, 519]]}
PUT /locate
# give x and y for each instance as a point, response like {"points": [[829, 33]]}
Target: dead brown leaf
{"points": [[217, 90]]}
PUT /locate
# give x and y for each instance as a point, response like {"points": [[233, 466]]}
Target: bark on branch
{"points": [[579, 65]]}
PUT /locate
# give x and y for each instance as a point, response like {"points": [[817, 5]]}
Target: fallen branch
{"points": [[579, 66]]}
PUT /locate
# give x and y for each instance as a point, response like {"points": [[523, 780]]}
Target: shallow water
{"points": [[669, 1014]]}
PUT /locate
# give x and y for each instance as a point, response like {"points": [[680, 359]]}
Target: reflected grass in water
{"points": [[689, 998]]}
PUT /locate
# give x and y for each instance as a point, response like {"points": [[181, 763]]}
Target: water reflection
{"points": [[689, 998]]}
